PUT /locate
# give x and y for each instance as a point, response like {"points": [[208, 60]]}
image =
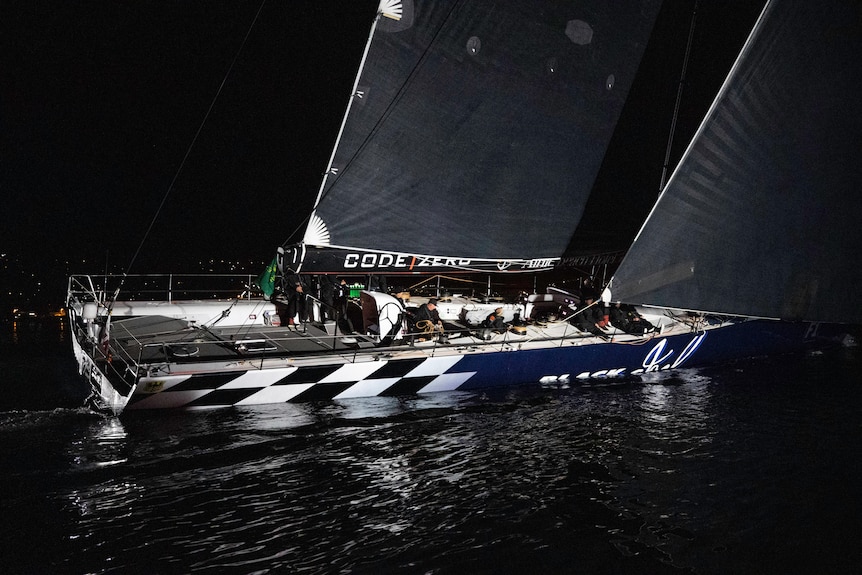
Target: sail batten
{"points": [[754, 221], [480, 128]]}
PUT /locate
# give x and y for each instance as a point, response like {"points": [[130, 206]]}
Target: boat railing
{"points": [[256, 350], [113, 360], [160, 287], [317, 309]]}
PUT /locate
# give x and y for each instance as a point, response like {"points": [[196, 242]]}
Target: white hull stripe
{"points": [[274, 394], [258, 378], [353, 372], [367, 388], [300, 384], [447, 382]]}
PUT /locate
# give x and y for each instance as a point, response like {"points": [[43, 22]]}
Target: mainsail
{"points": [[474, 135], [762, 216]]}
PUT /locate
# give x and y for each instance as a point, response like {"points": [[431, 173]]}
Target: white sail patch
{"points": [[317, 234], [391, 9], [579, 32]]}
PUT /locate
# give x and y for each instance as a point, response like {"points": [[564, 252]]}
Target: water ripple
{"points": [[678, 472]]}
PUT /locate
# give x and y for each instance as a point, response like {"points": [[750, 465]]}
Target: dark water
{"points": [[752, 468]]}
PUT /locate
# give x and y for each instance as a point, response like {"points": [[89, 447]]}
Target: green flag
{"points": [[266, 280]]}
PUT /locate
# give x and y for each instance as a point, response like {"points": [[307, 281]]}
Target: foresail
{"points": [[475, 134], [762, 216]]}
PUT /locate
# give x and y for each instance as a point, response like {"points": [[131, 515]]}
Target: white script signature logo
{"points": [[659, 358]]}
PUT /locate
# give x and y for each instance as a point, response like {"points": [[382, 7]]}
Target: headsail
{"points": [[762, 216], [474, 135]]}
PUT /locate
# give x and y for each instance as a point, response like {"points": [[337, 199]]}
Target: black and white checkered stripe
{"points": [[296, 384]]}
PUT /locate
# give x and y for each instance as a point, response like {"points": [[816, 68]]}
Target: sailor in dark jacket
{"points": [[495, 321], [627, 318], [296, 307], [589, 315], [428, 312], [340, 299], [619, 317]]}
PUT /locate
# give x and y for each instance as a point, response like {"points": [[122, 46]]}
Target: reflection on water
{"points": [[109, 442], [692, 470], [32, 329], [102, 444], [96, 500], [674, 408]]}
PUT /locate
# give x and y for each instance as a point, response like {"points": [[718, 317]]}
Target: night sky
{"points": [[100, 100]]}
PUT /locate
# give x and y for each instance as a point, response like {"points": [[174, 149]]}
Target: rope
{"points": [[425, 325]]}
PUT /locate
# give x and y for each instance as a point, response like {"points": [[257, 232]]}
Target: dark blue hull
{"points": [[742, 340], [455, 368]]}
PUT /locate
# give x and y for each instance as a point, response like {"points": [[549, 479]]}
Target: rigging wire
{"points": [[682, 80], [323, 192], [187, 154], [438, 276]]}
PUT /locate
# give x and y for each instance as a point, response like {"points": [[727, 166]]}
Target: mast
{"points": [[678, 99]]}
